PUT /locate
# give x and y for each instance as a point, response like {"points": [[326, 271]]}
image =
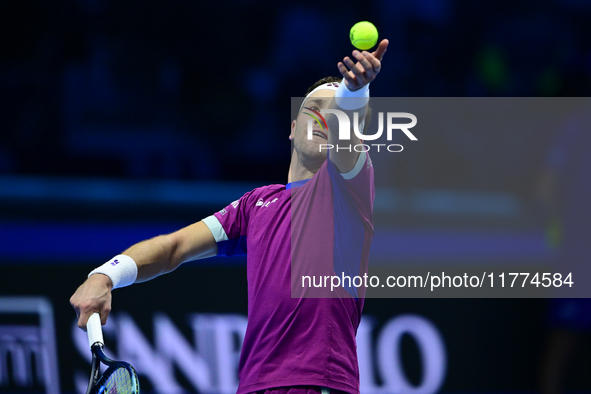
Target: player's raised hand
{"points": [[92, 296], [366, 69]]}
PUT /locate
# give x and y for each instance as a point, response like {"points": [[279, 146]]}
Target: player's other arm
{"points": [[153, 257], [357, 77], [165, 253]]}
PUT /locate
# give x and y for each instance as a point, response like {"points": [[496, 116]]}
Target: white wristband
{"points": [[350, 100], [121, 269]]}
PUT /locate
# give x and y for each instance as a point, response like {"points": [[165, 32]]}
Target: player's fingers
{"points": [[105, 314], [382, 47], [74, 301], [74, 304], [358, 71], [83, 319], [348, 62], [78, 317], [353, 69], [359, 66], [350, 79], [356, 68], [375, 63], [364, 62], [344, 71], [370, 70]]}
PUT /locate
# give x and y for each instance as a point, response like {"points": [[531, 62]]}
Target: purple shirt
{"points": [[327, 221]]}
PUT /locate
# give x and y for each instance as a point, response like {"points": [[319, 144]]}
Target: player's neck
{"points": [[298, 174], [299, 171]]}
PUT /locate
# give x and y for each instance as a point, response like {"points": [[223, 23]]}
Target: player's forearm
{"points": [[345, 151], [154, 257], [165, 253]]}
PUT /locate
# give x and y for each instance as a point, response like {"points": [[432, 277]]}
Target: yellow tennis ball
{"points": [[364, 35]]}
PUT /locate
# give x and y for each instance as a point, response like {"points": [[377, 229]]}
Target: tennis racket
{"points": [[119, 378]]}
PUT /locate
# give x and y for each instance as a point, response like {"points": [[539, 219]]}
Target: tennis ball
{"points": [[364, 35]]}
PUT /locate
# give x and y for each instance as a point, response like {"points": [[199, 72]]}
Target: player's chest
{"points": [[270, 215]]}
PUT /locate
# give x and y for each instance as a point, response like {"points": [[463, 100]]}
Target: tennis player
{"points": [[321, 218]]}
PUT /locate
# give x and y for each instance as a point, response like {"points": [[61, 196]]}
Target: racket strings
{"points": [[119, 382]]}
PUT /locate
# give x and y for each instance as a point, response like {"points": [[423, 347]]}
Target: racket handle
{"points": [[94, 329]]}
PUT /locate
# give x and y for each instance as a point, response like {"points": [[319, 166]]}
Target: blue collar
{"points": [[296, 183]]}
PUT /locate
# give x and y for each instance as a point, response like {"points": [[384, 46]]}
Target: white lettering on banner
{"points": [[134, 348], [431, 347], [177, 349], [31, 348], [216, 334], [367, 382], [211, 364]]}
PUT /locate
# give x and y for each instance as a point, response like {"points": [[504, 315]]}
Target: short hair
{"points": [[322, 81], [330, 79]]}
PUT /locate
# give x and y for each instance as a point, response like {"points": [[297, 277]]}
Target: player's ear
{"points": [[293, 127]]}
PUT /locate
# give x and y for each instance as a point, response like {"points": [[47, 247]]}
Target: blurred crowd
{"points": [[200, 90]]}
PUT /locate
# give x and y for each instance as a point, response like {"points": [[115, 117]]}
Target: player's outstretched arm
{"points": [[153, 257], [166, 253], [356, 76]]}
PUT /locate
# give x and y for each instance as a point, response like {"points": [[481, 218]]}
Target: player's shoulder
{"points": [[260, 195], [267, 190]]}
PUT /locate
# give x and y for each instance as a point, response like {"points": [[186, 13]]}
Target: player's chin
{"points": [[317, 147], [319, 151]]}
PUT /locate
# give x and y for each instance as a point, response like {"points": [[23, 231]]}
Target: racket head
{"points": [[119, 378]]}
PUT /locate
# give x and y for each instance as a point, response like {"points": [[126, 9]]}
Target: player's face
{"points": [[310, 148]]}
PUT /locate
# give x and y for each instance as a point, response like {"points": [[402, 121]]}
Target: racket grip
{"points": [[94, 329]]}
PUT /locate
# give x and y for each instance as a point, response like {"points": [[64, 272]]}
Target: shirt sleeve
{"points": [[230, 225]]}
